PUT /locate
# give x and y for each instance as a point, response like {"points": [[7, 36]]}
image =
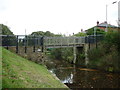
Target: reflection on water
{"points": [[76, 77], [68, 79]]}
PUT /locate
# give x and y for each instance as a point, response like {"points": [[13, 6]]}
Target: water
{"points": [[77, 77]]}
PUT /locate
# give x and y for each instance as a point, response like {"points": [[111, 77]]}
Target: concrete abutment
{"points": [[79, 52]]}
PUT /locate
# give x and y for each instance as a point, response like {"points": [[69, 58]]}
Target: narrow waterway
{"points": [[77, 77]]}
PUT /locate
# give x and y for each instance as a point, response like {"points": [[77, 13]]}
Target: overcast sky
{"points": [[57, 16]]}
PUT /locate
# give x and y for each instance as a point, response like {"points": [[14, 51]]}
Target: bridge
{"points": [[48, 42], [60, 42]]}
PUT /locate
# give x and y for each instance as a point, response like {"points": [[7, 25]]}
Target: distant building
{"points": [[104, 24]]}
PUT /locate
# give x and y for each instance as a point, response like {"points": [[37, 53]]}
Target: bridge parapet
{"points": [[24, 40], [63, 41]]}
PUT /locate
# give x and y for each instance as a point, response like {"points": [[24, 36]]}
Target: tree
{"points": [[41, 33], [7, 40], [80, 34], [5, 30], [48, 33]]}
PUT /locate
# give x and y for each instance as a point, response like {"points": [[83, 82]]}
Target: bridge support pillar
{"points": [[74, 54], [86, 47]]}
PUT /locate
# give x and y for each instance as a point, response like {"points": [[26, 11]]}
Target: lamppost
{"points": [[106, 18], [107, 15], [95, 34], [119, 14]]}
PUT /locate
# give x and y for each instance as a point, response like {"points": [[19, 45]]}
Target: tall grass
{"points": [[107, 55]]}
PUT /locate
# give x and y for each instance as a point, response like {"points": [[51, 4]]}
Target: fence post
{"points": [[7, 42], [25, 44], [17, 44], [34, 44], [42, 43], [96, 40], [89, 41]]}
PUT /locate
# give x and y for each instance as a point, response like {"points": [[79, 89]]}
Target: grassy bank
{"points": [[18, 72]]}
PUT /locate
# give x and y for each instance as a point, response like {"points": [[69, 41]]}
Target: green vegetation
{"points": [[18, 72], [80, 34], [62, 54], [107, 55], [5, 30], [66, 54], [98, 31], [47, 33]]}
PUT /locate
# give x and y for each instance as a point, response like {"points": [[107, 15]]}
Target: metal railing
{"points": [[30, 40]]}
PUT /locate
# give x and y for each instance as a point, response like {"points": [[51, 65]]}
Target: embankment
{"points": [[18, 72]]}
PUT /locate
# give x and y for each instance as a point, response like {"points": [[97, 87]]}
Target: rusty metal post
{"points": [[7, 41], [25, 44], [17, 44], [42, 43], [34, 44]]}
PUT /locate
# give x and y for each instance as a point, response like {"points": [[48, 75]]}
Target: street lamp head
{"points": [[97, 23], [119, 14], [114, 2]]}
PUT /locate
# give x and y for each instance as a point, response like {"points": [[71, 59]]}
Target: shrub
{"points": [[107, 55]]}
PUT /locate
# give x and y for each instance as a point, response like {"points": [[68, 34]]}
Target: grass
{"points": [[0, 68], [18, 72]]}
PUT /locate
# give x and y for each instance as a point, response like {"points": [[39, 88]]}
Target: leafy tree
{"points": [[41, 33], [7, 40], [48, 33], [5, 30]]}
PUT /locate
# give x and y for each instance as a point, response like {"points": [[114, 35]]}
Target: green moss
{"points": [[18, 72]]}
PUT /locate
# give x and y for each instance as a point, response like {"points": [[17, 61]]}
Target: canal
{"points": [[77, 77]]}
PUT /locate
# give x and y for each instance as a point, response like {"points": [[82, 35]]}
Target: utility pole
{"points": [[106, 19], [119, 14], [107, 14], [25, 31]]}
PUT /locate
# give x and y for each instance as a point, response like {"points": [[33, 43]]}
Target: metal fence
{"points": [[30, 40], [93, 38], [21, 40]]}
